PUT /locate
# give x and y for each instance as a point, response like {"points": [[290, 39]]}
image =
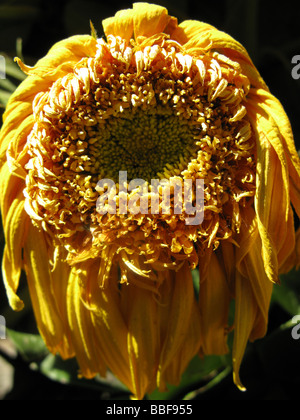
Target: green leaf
{"points": [[198, 374], [66, 372], [4, 97], [12, 69], [30, 346], [8, 85], [287, 294], [215, 381]]}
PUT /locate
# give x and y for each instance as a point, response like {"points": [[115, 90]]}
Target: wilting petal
{"points": [[60, 59], [214, 299], [177, 314], [143, 338], [272, 177], [245, 313], [15, 232], [252, 296], [194, 34], [81, 333], [109, 327], [273, 108], [38, 271]]}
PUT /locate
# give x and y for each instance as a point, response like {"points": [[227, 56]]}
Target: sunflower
{"points": [[157, 101]]}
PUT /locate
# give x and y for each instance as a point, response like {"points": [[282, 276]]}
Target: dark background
{"points": [[271, 33]]}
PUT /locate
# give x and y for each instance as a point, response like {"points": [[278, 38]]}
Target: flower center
{"points": [[143, 142], [155, 113]]}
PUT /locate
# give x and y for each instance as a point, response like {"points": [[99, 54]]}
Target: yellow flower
{"points": [[154, 100]]}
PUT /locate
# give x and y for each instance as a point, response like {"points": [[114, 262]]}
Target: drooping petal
{"points": [[81, 333], [143, 337], [59, 60], [177, 314], [173, 372], [108, 325], [214, 299], [253, 292], [15, 229], [273, 209], [285, 145], [38, 271], [245, 313], [202, 36]]}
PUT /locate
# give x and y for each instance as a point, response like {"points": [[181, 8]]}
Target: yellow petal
{"points": [[11, 189], [253, 292], [143, 338], [109, 329], [192, 30], [253, 269], [194, 34], [245, 313], [59, 276], [120, 25], [175, 321], [190, 346], [38, 271], [61, 58], [149, 19], [81, 329], [276, 113], [272, 198], [15, 222], [294, 259], [144, 20], [214, 299]]}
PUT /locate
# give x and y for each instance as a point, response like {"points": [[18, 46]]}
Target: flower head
{"points": [[154, 100]]}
